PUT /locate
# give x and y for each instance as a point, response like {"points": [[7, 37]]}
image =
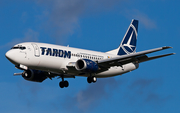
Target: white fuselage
{"points": [[55, 58]]}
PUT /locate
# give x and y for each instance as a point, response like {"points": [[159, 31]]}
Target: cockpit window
{"points": [[15, 48], [19, 47]]}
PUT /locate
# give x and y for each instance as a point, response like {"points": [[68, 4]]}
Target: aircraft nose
{"points": [[15, 56], [9, 55]]}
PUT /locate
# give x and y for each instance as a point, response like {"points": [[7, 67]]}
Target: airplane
{"points": [[40, 61]]}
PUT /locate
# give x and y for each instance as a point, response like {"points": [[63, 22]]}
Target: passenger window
{"points": [[15, 48]]}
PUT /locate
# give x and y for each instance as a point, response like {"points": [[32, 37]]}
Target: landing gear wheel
{"points": [[61, 84], [66, 83], [94, 79], [89, 79]]}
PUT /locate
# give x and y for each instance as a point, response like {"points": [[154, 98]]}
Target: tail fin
{"points": [[128, 44]]}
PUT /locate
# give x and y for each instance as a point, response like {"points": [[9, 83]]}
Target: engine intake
{"points": [[34, 75], [86, 65]]}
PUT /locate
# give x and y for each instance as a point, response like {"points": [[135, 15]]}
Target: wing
{"points": [[135, 57]]}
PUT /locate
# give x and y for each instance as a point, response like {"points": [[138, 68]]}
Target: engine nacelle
{"points": [[34, 75], [86, 65]]}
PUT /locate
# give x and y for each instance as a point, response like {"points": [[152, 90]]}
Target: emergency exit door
{"points": [[36, 50]]}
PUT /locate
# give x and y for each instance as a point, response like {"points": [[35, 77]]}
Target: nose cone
{"points": [[9, 55]]}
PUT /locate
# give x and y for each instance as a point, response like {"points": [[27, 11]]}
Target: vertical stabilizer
{"points": [[128, 44]]}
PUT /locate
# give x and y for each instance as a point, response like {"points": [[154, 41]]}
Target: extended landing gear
{"points": [[63, 83], [91, 79]]}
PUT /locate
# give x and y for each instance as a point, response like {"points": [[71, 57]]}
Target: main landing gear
{"points": [[63, 83], [91, 79]]}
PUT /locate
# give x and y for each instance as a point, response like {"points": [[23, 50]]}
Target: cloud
{"points": [[28, 93], [61, 17], [20, 96], [133, 91], [24, 17], [144, 91], [157, 99], [141, 91], [130, 92], [87, 98], [29, 35], [141, 84], [146, 21]]}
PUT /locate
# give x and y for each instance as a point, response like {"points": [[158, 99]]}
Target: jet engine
{"points": [[86, 65], [34, 75]]}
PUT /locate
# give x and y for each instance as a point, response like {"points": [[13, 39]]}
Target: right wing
{"points": [[134, 57]]}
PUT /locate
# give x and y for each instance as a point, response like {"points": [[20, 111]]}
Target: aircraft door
{"points": [[36, 50]]}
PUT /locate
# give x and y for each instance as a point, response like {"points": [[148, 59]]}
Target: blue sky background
{"points": [[95, 25]]}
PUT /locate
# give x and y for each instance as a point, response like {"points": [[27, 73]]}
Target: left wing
{"points": [[135, 57]]}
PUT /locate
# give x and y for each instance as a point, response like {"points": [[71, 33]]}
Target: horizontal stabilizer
{"points": [[155, 57]]}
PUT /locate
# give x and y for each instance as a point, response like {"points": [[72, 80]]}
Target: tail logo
{"points": [[131, 47], [128, 44]]}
